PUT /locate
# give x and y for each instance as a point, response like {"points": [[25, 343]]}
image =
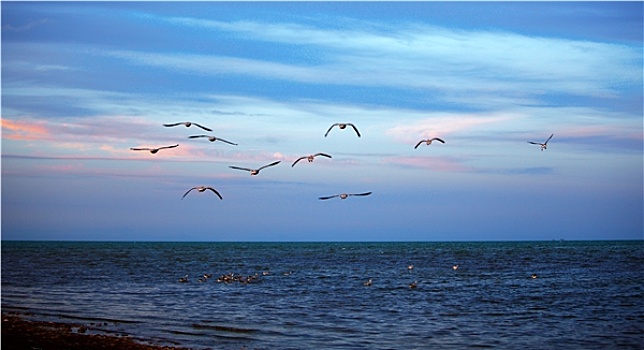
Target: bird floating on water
{"points": [[345, 195], [212, 139], [152, 150], [413, 285], [455, 267], [543, 145], [368, 283], [429, 141], [202, 189], [410, 267], [183, 279], [255, 171], [343, 126], [309, 158], [187, 125]]}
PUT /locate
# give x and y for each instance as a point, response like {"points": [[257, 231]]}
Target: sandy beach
{"points": [[19, 333]]}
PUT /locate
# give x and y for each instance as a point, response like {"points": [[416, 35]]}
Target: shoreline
{"points": [[18, 333]]}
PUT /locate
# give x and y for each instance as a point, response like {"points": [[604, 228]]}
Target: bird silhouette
{"points": [[342, 126], [212, 139], [429, 141], [310, 158], [202, 189], [255, 171], [345, 195], [187, 125], [543, 145], [152, 150]]}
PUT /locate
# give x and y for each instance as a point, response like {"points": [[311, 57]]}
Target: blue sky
{"points": [[82, 83]]}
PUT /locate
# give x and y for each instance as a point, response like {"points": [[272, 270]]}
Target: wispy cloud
{"points": [[431, 57], [23, 130]]}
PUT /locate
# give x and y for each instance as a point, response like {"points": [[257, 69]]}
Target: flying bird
{"points": [[342, 126], [255, 171], [202, 189], [429, 141], [345, 195], [310, 158], [187, 124], [543, 145], [212, 139], [152, 150]]}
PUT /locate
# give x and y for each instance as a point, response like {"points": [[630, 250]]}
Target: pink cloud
{"points": [[442, 126], [25, 131]]}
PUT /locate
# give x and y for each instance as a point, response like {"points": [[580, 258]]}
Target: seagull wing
{"points": [[354, 128], [545, 143], [185, 194], [201, 126], [331, 127], [173, 124], [173, 146], [321, 154], [439, 140], [215, 191], [228, 142], [139, 149], [239, 168], [534, 143], [328, 197], [297, 160], [267, 165], [196, 136], [360, 194], [418, 144]]}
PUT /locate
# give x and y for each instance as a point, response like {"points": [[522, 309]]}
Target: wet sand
{"points": [[19, 333]]}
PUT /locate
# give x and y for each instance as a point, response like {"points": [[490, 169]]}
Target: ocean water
{"points": [[587, 295]]}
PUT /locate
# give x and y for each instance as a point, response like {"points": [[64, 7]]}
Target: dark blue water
{"points": [[587, 295]]}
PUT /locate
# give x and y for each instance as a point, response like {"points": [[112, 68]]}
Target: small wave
{"points": [[224, 328]]}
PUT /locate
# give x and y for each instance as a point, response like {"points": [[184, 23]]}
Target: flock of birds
{"points": [[247, 279], [309, 158]]}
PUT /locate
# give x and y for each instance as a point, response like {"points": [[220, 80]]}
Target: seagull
{"points": [[152, 150], [413, 285], [543, 145], [345, 195], [343, 126], [429, 141], [368, 283], [212, 139], [183, 279], [310, 158], [455, 267], [187, 124], [202, 189], [255, 171], [410, 267]]}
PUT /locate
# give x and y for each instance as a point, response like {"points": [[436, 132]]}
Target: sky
{"points": [[83, 82]]}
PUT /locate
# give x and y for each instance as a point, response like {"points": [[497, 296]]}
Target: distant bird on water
{"points": [[345, 195], [152, 150], [413, 285], [429, 141], [212, 139], [543, 145], [187, 125], [310, 158], [342, 126], [202, 189], [368, 283], [255, 171], [183, 279]]}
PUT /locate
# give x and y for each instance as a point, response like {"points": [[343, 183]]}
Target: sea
{"points": [[467, 295]]}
